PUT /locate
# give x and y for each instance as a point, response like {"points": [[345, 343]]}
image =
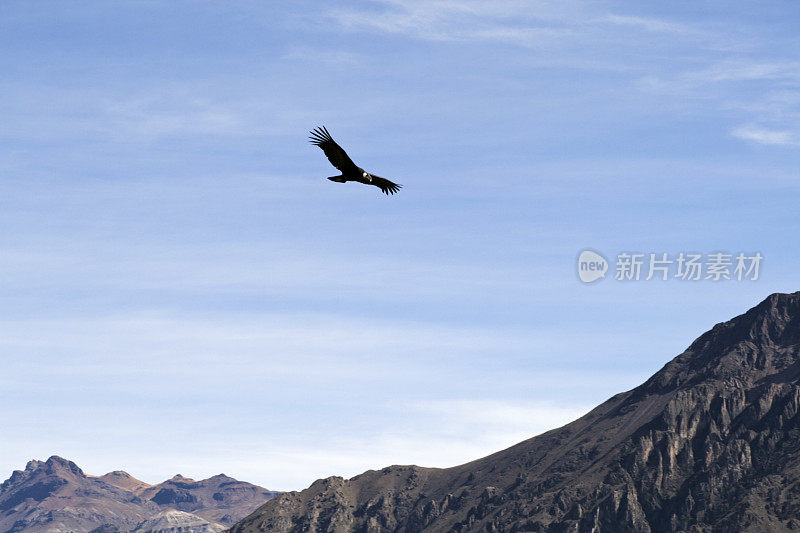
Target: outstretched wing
{"points": [[388, 187], [334, 152]]}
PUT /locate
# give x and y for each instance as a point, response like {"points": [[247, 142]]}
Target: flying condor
{"points": [[350, 172]]}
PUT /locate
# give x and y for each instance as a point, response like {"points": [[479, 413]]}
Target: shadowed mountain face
{"points": [[56, 496], [711, 442]]}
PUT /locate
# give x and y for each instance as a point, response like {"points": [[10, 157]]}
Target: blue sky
{"points": [[183, 291]]}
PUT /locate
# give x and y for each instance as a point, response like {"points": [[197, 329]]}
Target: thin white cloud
{"points": [[511, 420], [571, 30], [747, 70], [158, 115], [651, 24], [767, 136], [761, 91], [329, 57], [147, 111], [773, 105], [457, 21], [540, 25], [284, 343], [244, 269], [708, 81]]}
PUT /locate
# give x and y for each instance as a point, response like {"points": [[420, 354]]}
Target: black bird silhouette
{"points": [[350, 171]]}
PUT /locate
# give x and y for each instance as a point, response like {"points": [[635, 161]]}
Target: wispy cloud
{"points": [[652, 25], [706, 82], [744, 70], [159, 115], [511, 421], [456, 21], [280, 344], [539, 25], [765, 93], [325, 56], [146, 111], [767, 136], [563, 29], [432, 436]]}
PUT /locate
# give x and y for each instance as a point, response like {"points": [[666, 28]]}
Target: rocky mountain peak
{"points": [[708, 443], [177, 478], [119, 473], [33, 465], [46, 476], [123, 480], [776, 319], [746, 348], [56, 465]]}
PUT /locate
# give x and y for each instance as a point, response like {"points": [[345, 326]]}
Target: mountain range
{"points": [[55, 496], [710, 443]]}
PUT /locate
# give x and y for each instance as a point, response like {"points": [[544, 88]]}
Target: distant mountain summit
{"points": [[124, 480], [220, 499], [55, 496], [710, 443]]}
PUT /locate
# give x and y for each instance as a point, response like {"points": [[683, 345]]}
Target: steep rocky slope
{"points": [[711, 442], [56, 496]]}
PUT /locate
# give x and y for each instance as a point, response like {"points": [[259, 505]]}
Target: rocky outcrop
{"points": [[173, 521], [55, 496], [709, 443]]}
